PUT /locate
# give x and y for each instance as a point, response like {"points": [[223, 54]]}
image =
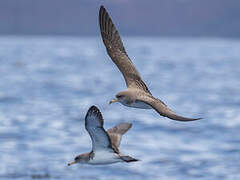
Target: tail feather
{"points": [[128, 159]]}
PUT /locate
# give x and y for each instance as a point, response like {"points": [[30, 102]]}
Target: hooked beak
{"points": [[74, 162], [113, 101]]}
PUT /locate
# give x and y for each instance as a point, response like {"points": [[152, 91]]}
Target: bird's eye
{"points": [[76, 158], [119, 96]]}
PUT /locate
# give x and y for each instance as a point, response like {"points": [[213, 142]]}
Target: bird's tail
{"points": [[128, 159]]}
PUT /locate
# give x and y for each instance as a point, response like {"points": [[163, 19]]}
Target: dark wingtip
{"points": [[181, 118], [102, 11], [189, 119], [102, 8], [93, 110], [195, 119]]}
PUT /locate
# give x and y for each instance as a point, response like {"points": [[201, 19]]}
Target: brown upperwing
{"points": [[115, 133], [116, 51]]}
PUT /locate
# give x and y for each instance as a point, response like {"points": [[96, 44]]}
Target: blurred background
{"points": [[217, 18], [54, 66]]}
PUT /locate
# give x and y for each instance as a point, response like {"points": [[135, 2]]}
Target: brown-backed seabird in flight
{"points": [[137, 94], [104, 144]]}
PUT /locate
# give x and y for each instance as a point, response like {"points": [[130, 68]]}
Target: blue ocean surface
{"points": [[47, 85]]}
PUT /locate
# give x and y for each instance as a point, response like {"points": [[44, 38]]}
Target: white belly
{"points": [[138, 104], [104, 157]]}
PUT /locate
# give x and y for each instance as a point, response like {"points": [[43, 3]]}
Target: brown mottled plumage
{"points": [[137, 94]]}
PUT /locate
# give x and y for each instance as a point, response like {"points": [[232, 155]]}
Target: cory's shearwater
{"points": [[104, 144], [137, 94]]}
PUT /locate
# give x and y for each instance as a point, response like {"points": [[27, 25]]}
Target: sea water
{"points": [[47, 85]]}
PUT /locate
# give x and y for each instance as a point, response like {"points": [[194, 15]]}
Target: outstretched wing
{"points": [[163, 110], [115, 133], [116, 51], [94, 126]]}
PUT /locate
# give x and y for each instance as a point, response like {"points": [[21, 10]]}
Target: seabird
{"points": [[137, 94], [104, 144]]}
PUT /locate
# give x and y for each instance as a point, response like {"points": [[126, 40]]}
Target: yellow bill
{"points": [[74, 162], [113, 101]]}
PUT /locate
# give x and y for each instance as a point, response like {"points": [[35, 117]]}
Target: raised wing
{"points": [[94, 126], [163, 110], [116, 51], [115, 133]]}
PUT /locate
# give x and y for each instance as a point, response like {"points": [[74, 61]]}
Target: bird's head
{"points": [[81, 159], [122, 97]]}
